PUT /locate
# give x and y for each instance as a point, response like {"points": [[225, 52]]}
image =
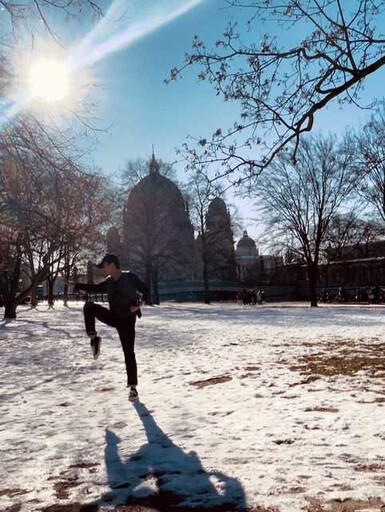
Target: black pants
{"points": [[126, 330]]}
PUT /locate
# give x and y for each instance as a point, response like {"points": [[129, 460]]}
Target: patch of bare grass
{"points": [[349, 358], [212, 381], [348, 505]]}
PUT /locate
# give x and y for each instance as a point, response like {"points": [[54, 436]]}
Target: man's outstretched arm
{"points": [[97, 288]]}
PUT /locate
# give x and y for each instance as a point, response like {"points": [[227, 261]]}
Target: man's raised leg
{"points": [[92, 312]]}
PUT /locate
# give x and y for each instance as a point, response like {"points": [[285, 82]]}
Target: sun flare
{"points": [[49, 80]]}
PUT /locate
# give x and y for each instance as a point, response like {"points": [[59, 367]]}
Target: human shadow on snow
{"points": [[160, 475]]}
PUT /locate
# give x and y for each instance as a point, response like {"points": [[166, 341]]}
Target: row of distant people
{"points": [[251, 297], [370, 294]]}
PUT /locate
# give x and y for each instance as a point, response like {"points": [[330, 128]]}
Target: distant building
{"points": [[158, 238], [247, 259], [355, 265], [221, 255], [253, 268]]}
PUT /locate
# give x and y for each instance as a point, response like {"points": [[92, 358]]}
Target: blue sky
{"points": [[140, 110]]}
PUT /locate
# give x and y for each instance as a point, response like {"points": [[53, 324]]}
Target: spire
{"points": [[154, 166]]}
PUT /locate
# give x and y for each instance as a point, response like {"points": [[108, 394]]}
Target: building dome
{"points": [[246, 247], [158, 186], [155, 188]]}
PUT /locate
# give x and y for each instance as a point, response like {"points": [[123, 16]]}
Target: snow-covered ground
{"points": [[274, 407]]}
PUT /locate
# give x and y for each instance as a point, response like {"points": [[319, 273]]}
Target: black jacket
{"points": [[122, 294]]}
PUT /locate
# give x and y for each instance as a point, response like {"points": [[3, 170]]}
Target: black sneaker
{"points": [[95, 346], [133, 394]]}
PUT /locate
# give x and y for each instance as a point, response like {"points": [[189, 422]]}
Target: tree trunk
{"points": [[9, 286], [313, 278], [156, 294], [50, 283], [34, 300], [206, 284], [66, 275], [149, 282], [155, 287], [65, 295], [10, 309]]}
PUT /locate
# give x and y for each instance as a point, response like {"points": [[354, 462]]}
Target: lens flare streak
{"points": [[86, 54], [109, 36]]}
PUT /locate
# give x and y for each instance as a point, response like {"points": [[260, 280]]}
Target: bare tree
{"points": [[44, 209], [371, 163], [32, 14], [84, 209], [333, 46], [201, 194], [300, 200], [349, 231]]}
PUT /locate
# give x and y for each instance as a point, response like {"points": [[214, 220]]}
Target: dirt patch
{"points": [[211, 382], [10, 493], [375, 401], [77, 507], [70, 478], [13, 508], [248, 375], [370, 468], [296, 490], [73, 507], [336, 365], [223, 414], [310, 379], [321, 409], [347, 505], [62, 488], [85, 465], [168, 502], [119, 424]]}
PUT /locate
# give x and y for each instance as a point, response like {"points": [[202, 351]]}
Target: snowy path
{"points": [[294, 413]]}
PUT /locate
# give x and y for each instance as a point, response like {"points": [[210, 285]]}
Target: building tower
{"points": [[220, 241]]}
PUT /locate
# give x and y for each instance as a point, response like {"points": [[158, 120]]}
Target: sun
{"points": [[49, 80]]}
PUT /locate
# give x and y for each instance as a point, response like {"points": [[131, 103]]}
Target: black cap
{"points": [[109, 258]]}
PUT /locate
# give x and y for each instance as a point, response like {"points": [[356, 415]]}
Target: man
{"points": [[122, 289]]}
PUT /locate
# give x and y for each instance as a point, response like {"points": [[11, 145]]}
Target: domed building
{"points": [[246, 249], [158, 237], [247, 259], [253, 267]]}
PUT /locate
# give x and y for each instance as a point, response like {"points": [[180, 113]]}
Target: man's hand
{"points": [[135, 308]]}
